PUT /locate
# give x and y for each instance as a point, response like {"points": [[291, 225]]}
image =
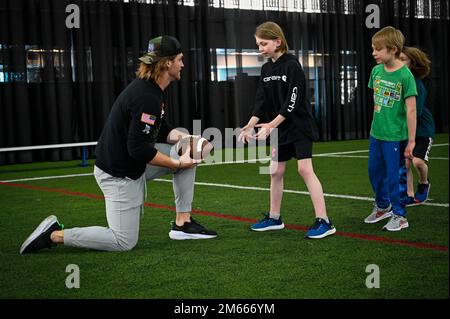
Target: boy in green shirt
{"points": [[394, 123]]}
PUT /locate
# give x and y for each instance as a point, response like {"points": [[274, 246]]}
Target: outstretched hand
{"points": [[185, 160], [246, 134], [264, 132]]}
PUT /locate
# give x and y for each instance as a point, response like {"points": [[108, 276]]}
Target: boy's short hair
{"points": [[391, 38]]}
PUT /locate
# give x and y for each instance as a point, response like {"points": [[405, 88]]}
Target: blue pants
{"points": [[384, 163]]}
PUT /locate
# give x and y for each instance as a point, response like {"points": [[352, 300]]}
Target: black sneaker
{"points": [[40, 237], [192, 230]]}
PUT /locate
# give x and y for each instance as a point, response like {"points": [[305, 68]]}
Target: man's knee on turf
{"points": [[126, 242]]}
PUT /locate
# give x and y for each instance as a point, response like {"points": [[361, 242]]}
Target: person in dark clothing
{"points": [[281, 95], [136, 145], [419, 64]]}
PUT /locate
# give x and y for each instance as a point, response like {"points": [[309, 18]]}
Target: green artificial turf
{"points": [[239, 263]]}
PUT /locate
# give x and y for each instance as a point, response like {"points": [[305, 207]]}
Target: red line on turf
{"points": [[242, 219]]}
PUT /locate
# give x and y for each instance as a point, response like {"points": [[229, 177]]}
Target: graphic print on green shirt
{"points": [[386, 93]]}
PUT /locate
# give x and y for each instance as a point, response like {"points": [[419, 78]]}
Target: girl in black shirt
{"points": [[281, 95]]}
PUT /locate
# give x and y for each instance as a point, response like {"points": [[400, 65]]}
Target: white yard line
{"points": [[335, 154], [366, 156], [363, 151], [438, 145], [339, 153], [344, 154], [45, 178], [369, 199]]}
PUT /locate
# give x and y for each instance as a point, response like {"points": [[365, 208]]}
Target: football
{"points": [[199, 147]]}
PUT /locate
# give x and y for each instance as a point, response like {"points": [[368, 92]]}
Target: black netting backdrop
{"points": [[57, 84]]}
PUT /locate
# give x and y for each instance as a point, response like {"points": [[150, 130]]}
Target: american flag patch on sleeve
{"points": [[148, 118]]}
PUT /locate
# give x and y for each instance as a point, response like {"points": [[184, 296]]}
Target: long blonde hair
{"points": [[153, 71], [271, 31]]}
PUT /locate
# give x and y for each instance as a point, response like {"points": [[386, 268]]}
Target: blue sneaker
{"points": [[268, 223], [422, 193], [320, 229]]}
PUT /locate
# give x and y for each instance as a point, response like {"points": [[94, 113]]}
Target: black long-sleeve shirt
{"points": [[133, 127], [282, 90]]}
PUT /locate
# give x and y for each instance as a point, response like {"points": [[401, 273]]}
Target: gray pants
{"points": [[124, 199]]}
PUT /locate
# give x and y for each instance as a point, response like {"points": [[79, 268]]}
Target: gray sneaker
{"points": [[378, 214], [396, 223]]}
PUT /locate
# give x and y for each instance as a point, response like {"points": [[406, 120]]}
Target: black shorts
{"points": [[423, 147], [300, 149]]}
